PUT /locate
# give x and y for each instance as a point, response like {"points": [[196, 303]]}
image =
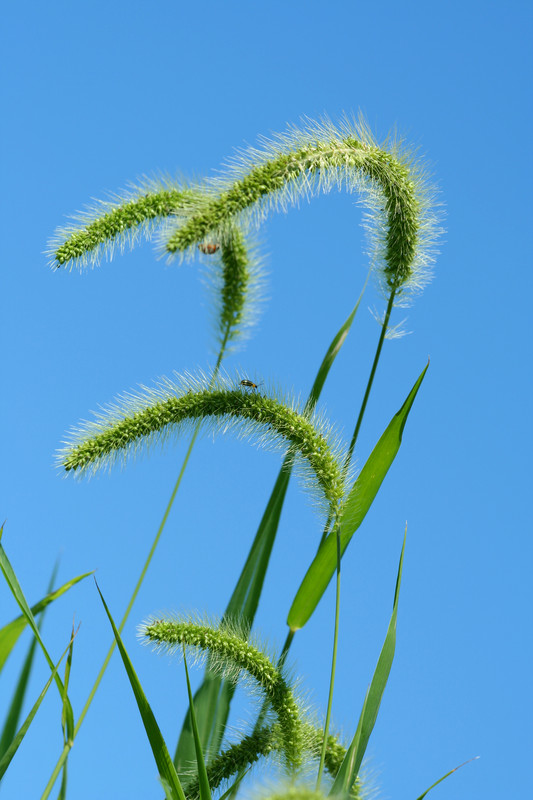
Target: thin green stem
{"points": [[150, 553], [371, 378], [138, 585], [384, 326], [333, 660]]}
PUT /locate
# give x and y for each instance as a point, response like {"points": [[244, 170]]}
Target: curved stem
{"points": [[137, 588], [150, 553]]}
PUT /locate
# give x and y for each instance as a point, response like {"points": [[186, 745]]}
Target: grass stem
{"points": [[333, 660], [137, 588], [384, 327]]}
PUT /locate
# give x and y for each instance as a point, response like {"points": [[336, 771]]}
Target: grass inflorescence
{"points": [[235, 271], [230, 653], [222, 404], [115, 223], [215, 219], [400, 218], [264, 742]]}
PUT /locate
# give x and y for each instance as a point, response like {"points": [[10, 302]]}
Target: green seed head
{"points": [[232, 654], [400, 217], [172, 407]]}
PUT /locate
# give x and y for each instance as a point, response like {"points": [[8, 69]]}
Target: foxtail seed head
{"points": [[117, 223], [221, 404], [235, 273], [264, 743], [400, 217], [234, 268], [230, 653]]}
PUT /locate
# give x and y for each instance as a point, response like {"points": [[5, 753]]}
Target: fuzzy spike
{"points": [[230, 653], [222, 404], [300, 163]]}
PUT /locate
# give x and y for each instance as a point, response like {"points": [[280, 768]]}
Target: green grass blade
{"points": [[18, 594], [446, 776], [10, 633], [67, 718], [15, 743], [162, 758], [203, 782], [15, 708], [357, 505], [17, 701], [350, 766], [332, 353], [213, 698]]}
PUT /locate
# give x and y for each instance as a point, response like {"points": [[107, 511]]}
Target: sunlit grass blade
{"points": [[332, 353], [67, 717], [162, 757], [352, 762], [17, 701], [203, 782], [15, 708], [446, 776], [15, 743], [357, 505], [10, 633], [18, 594], [213, 698]]}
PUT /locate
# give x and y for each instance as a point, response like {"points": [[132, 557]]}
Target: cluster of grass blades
{"points": [[217, 220]]}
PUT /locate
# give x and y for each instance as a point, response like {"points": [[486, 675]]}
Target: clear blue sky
{"points": [[97, 94]]}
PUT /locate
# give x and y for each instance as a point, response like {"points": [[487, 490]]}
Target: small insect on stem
{"points": [[208, 248], [250, 384]]}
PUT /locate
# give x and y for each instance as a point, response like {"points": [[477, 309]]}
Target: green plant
{"points": [[218, 218]]}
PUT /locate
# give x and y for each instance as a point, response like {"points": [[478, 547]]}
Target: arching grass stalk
{"points": [[221, 404], [401, 224], [242, 755], [191, 399], [230, 653], [235, 260], [137, 588], [114, 224], [301, 163], [236, 285]]}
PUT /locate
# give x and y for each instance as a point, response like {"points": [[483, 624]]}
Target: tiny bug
{"points": [[208, 248], [249, 384]]}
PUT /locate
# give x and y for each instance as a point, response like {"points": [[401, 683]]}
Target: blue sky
{"points": [[94, 96]]}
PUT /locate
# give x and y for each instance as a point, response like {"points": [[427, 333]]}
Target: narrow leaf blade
{"points": [[357, 505], [203, 781], [446, 776], [352, 762], [15, 743], [162, 758], [18, 594], [10, 633], [17, 701]]}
